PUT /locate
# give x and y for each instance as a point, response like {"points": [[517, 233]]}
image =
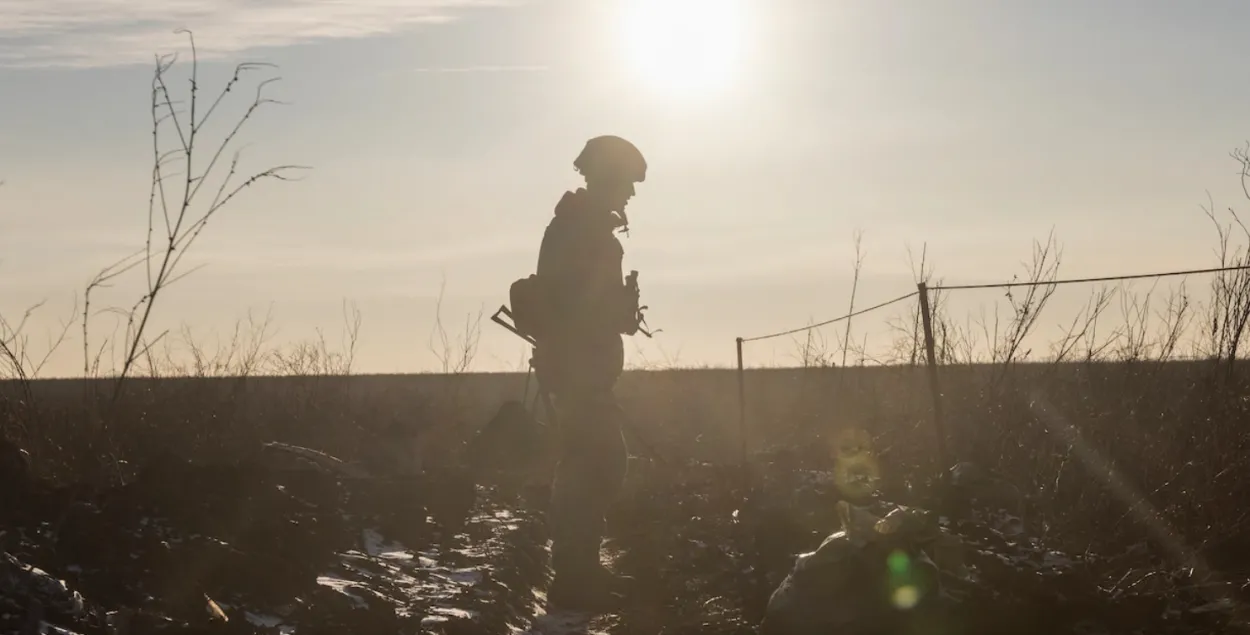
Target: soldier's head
{"points": [[611, 166]]}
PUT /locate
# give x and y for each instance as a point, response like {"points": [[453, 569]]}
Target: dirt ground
{"points": [[268, 548]]}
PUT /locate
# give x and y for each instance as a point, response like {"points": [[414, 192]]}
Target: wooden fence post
{"points": [[939, 426], [742, 410]]}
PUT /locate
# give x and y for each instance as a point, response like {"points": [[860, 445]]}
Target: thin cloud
{"points": [[274, 255], [483, 69], [94, 33]]}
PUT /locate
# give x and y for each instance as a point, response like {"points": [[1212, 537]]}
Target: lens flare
{"points": [[905, 594], [899, 563], [856, 472], [906, 597]]}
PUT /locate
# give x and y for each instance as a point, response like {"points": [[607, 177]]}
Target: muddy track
{"points": [[250, 548], [274, 552]]}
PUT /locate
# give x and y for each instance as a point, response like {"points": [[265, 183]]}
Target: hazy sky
{"points": [[441, 135]]}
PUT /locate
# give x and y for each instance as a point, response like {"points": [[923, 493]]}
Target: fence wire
{"points": [[834, 320], [1044, 283], [995, 285]]}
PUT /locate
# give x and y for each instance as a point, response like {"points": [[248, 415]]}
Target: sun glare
{"points": [[683, 47]]}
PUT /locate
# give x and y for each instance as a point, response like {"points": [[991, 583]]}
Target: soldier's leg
{"points": [[588, 479]]}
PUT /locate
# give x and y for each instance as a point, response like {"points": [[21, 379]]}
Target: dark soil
{"points": [[279, 549]]}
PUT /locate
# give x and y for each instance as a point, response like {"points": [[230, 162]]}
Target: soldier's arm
{"points": [[625, 298]]}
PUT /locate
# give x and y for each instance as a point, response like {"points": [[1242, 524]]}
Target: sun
{"points": [[683, 47]]}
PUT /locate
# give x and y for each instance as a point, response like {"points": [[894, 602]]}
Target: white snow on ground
{"points": [[342, 586], [262, 620], [561, 622], [444, 583], [566, 623], [51, 629], [269, 621], [434, 582], [376, 546]]}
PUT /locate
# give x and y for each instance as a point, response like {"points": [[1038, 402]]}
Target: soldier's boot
{"points": [[594, 589], [581, 582]]}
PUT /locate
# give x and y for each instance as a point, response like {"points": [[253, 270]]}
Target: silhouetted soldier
{"points": [[578, 359]]}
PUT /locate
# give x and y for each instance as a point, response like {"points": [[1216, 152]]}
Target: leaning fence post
{"points": [[742, 410], [939, 427]]}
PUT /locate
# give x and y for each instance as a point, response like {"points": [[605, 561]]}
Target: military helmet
{"points": [[612, 155]]}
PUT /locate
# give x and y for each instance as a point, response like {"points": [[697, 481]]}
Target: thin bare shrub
{"points": [[456, 353], [1080, 340], [855, 271], [1026, 302], [20, 366], [243, 354], [185, 164], [194, 176], [1228, 313], [951, 342], [315, 357]]}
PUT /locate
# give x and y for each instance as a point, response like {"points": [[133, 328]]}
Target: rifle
{"points": [[529, 372], [504, 310], [640, 320]]}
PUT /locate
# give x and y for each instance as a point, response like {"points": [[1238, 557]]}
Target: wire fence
{"points": [[926, 314], [833, 321], [1046, 283]]}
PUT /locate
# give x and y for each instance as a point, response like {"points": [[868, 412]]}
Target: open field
{"points": [[1173, 431], [1140, 463]]}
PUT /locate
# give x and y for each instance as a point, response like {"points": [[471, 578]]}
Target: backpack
{"points": [[531, 307]]}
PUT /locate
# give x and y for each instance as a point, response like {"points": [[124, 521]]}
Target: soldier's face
{"points": [[617, 194]]}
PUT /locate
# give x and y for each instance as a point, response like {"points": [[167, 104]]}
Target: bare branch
{"points": [[181, 226], [859, 264]]}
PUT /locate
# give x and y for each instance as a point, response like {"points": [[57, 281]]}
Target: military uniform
{"points": [[576, 307], [580, 262]]}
